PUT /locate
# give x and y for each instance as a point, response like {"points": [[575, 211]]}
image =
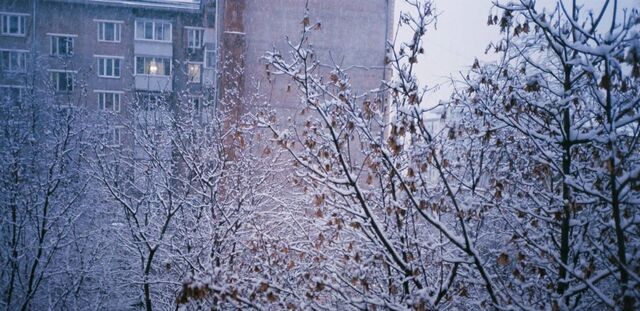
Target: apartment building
{"points": [[105, 54]]}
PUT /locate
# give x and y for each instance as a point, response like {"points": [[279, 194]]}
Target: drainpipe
{"points": [[386, 39], [33, 43], [217, 54]]}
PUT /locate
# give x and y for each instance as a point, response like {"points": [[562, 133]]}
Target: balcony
{"points": [[154, 83], [155, 48]]}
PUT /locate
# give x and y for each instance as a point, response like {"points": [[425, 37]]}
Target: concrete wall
{"points": [[352, 34]]}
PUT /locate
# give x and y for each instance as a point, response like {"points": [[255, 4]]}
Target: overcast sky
{"points": [[461, 34]]}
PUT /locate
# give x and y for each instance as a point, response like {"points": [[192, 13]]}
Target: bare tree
{"points": [[43, 186], [565, 123]]}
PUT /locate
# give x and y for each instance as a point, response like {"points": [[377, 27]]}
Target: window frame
{"points": [[55, 37], [101, 30], [207, 63], [70, 74], [154, 26], [103, 67], [5, 21], [21, 92], [198, 33], [101, 98], [22, 65], [111, 136], [145, 73]]}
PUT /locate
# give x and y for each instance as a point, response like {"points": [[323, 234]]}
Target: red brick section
{"points": [[232, 80], [232, 61]]}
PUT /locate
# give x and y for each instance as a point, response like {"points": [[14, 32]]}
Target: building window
{"points": [[14, 24], [156, 66], [194, 36], [109, 67], [210, 14], [153, 30], [62, 81], [10, 94], [109, 101], [109, 31], [61, 45], [194, 72], [210, 59], [13, 61], [114, 136], [149, 101]]}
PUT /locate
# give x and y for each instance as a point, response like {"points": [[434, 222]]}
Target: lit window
{"points": [[153, 66], [61, 45], [153, 30], [194, 73], [14, 24], [194, 36], [109, 31], [109, 101], [14, 61], [62, 81], [109, 67]]}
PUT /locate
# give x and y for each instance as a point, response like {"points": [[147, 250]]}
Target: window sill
{"points": [[108, 41], [109, 77], [154, 41], [151, 76], [14, 35]]}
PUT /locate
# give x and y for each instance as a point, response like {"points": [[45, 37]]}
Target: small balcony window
{"points": [[155, 66], [153, 30]]}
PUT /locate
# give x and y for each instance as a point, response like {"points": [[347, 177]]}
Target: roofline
{"points": [[167, 5]]}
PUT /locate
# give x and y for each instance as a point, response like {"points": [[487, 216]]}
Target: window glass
{"points": [[153, 66], [13, 24], [116, 67], [6, 59], [140, 65], [109, 32], [139, 30], [62, 46], [62, 81], [10, 95], [167, 66], [13, 61], [109, 67], [148, 30], [194, 73], [152, 30], [211, 59]]}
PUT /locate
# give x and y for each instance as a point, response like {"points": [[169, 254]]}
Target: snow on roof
{"points": [[156, 4]]}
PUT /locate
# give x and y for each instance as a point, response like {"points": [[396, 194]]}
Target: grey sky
{"points": [[462, 34]]}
